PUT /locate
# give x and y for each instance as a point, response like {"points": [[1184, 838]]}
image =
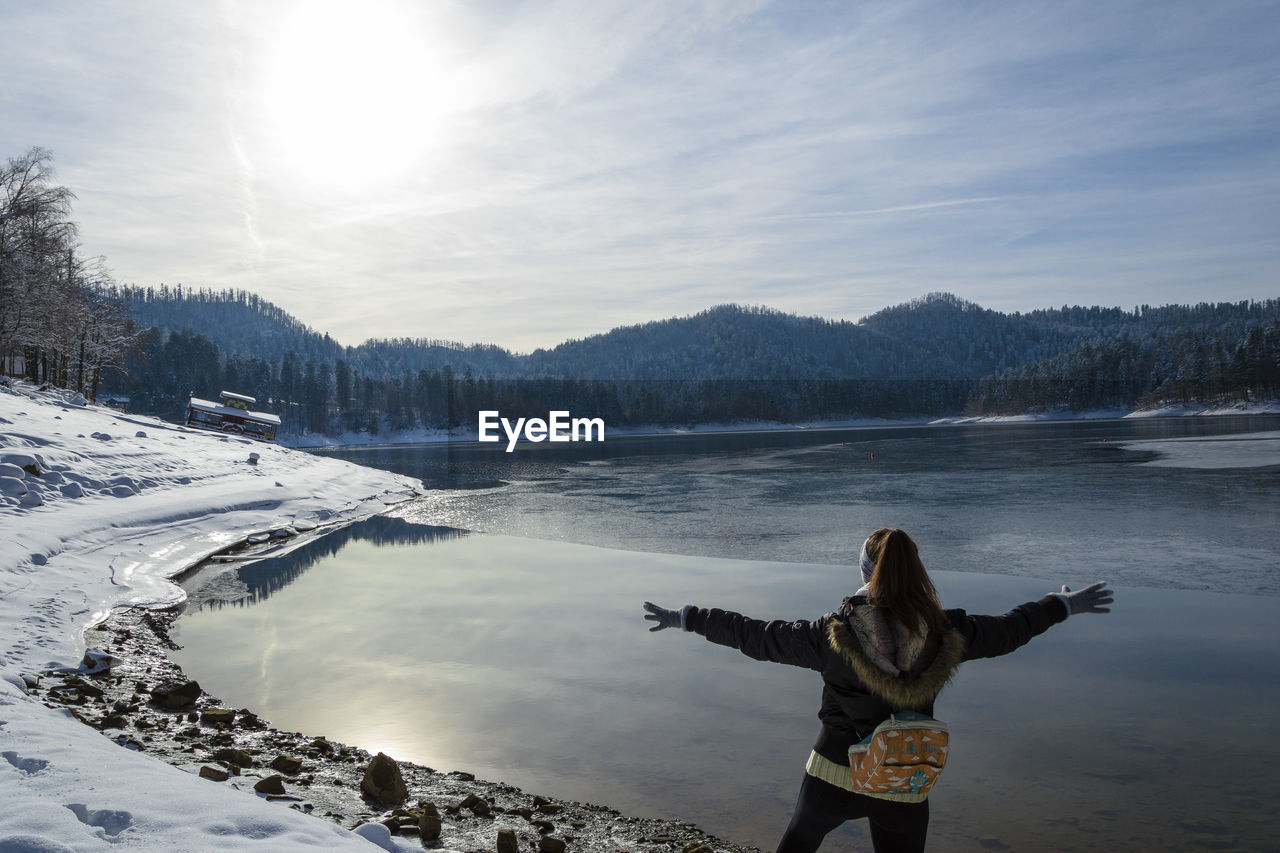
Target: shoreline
{"points": [[424, 438], [127, 659]]}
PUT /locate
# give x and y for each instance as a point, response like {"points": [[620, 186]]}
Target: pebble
{"points": [[217, 774]]}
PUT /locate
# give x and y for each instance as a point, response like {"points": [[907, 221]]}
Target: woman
{"points": [[890, 647]]}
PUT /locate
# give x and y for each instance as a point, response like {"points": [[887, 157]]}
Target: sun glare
{"points": [[354, 95]]}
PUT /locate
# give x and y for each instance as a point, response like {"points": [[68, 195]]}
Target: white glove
{"points": [[1087, 600], [662, 617]]}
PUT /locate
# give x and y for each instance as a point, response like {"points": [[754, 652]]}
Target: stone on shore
{"points": [[382, 780], [217, 774], [429, 826], [287, 764], [507, 841], [234, 756], [175, 694], [217, 716], [269, 785]]}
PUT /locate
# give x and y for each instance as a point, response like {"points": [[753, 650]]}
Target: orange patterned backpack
{"points": [[901, 759]]}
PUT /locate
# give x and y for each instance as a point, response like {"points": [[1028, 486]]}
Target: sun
{"points": [[354, 94]]}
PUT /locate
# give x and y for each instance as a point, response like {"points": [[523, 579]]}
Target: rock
{"points": [[543, 826], [429, 826], [478, 805], [218, 716], [90, 690], [96, 662], [12, 487], [287, 764], [113, 721], [550, 808], [270, 785], [175, 694], [234, 756], [507, 842], [72, 490], [217, 774], [551, 845], [377, 834], [139, 434], [28, 462], [31, 499], [382, 780]]}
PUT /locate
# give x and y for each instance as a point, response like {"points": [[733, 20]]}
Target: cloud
{"points": [[586, 165]]}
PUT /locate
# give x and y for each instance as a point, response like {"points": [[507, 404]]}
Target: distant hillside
{"points": [[936, 337], [246, 325], [237, 321], [936, 355]]}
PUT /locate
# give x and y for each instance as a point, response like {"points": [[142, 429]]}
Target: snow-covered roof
{"points": [[244, 398], [219, 409]]}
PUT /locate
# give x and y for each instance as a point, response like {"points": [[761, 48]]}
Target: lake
{"points": [[495, 625]]}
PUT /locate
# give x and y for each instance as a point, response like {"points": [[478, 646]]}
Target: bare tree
{"points": [[57, 310]]}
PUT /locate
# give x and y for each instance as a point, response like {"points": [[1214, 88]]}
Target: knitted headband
{"points": [[864, 563]]}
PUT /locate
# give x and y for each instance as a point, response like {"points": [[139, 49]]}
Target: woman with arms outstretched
{"points": [[889, 648]]}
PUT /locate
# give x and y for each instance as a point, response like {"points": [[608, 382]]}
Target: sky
{"points": [[523, 173]]}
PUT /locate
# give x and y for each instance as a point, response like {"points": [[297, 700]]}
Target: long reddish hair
{"points": [[900, 582]]}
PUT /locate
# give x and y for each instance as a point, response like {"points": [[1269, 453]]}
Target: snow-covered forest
{"points": [[59, 323], [934, 356]]}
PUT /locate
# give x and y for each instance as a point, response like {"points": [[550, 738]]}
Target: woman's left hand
{"points": [[662, 617]]}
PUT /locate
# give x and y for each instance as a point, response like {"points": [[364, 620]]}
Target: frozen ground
{"points": [[119, 504], [1245, 450]]}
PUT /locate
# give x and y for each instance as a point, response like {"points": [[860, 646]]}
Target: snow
{"points": [[1242, 450], [122, 504]]}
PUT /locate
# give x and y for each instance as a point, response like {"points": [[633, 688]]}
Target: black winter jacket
{"points": [[858, 695]]}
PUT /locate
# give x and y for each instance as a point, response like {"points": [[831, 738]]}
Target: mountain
{"points": [[937, 355]]}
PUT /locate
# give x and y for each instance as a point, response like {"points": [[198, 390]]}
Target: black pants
{"points": [[821, 807]]}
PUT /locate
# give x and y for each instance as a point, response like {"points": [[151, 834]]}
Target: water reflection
{"points": [[529, 662], [249, 584]]}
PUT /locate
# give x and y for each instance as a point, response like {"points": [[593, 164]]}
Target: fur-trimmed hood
{"points": [[906, 671]]}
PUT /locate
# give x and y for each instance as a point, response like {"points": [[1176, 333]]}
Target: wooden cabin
{"points": [[232, 414]]}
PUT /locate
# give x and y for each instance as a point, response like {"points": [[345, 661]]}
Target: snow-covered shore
{"points": [[98, 510], [119, 505]]}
